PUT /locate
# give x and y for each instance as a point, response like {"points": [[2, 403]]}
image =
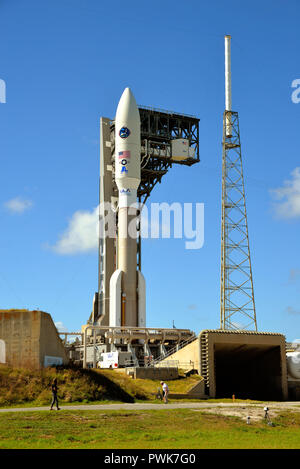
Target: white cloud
{"points": [[294, 275], [18, 205], [81, 235], [60, 327], [288, 196], [238, 325], [291, 310]]}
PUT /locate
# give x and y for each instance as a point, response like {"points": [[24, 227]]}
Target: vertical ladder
{"points": [[204, 360]]}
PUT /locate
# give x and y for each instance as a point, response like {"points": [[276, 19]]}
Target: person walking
{"points": [[54, 390], [165, 389]]}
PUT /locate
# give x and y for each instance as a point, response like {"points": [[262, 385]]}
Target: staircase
{"points": [[173, 350], [134, 360]]}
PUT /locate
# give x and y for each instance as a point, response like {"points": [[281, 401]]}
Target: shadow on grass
{"points": [[24, 386], [112, 392]]}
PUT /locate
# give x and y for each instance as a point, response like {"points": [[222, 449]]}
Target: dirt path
{"points": [[255, 411]]}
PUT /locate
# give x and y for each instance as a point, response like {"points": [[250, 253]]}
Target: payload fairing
{"points": [[127, 285]]}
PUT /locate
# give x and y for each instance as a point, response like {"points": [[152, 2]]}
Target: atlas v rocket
{"points": [[127, 284]]}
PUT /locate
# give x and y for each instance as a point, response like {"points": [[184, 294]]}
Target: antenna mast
{"points": [[237, 295]]}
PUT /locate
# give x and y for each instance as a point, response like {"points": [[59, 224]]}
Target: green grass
{"points": [[24, 387], [146, 387], [33, 387], [159, 429]]}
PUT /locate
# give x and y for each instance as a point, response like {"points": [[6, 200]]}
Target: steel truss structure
{"points": [[237, 294], [158, 129]]}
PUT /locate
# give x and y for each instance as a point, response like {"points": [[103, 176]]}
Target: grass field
{"points": [[158, 429], [134, 429]]}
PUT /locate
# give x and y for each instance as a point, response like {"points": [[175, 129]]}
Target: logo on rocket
{"points": [[123, 160], [124, 132]]}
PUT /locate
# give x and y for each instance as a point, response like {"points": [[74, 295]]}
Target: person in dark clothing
{"points": [[54, 390]]}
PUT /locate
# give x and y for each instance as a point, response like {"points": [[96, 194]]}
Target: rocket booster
{"points": [[127, 285]]}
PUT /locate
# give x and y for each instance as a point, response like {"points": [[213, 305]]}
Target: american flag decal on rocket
{"points": [[124, 154]]}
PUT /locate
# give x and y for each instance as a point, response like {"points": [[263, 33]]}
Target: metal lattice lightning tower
{"points": [[237, 295]]}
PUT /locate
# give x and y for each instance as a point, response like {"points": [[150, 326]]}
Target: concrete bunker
{"points": [[250, 365], [29, 339]]}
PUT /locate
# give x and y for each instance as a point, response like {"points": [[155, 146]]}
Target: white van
{"points": [[113, 359]]}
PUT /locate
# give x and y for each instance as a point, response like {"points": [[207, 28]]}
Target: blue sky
{"points": [[65, 63]]}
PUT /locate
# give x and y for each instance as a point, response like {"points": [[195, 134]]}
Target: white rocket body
{"points": [[127, 285]]}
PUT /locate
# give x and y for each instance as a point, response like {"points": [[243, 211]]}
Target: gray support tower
{"points": [[107, 244]]}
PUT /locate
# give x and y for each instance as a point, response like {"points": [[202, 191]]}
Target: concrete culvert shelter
{"points": [[249, 365], [29, 339]]}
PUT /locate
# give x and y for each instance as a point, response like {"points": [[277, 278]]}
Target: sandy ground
{"points": [[254, 411]]}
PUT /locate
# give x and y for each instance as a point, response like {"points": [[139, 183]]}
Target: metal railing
{"points": [[175, 349], [188, 365], [131, 363], [176, 364], [157, 109]]}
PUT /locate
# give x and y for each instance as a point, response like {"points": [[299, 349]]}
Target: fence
{"points": [[130, 363]]}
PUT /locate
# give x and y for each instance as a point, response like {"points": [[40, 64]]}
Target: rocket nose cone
{"points": [[127, 96], [127, 105], [127, 90]]}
